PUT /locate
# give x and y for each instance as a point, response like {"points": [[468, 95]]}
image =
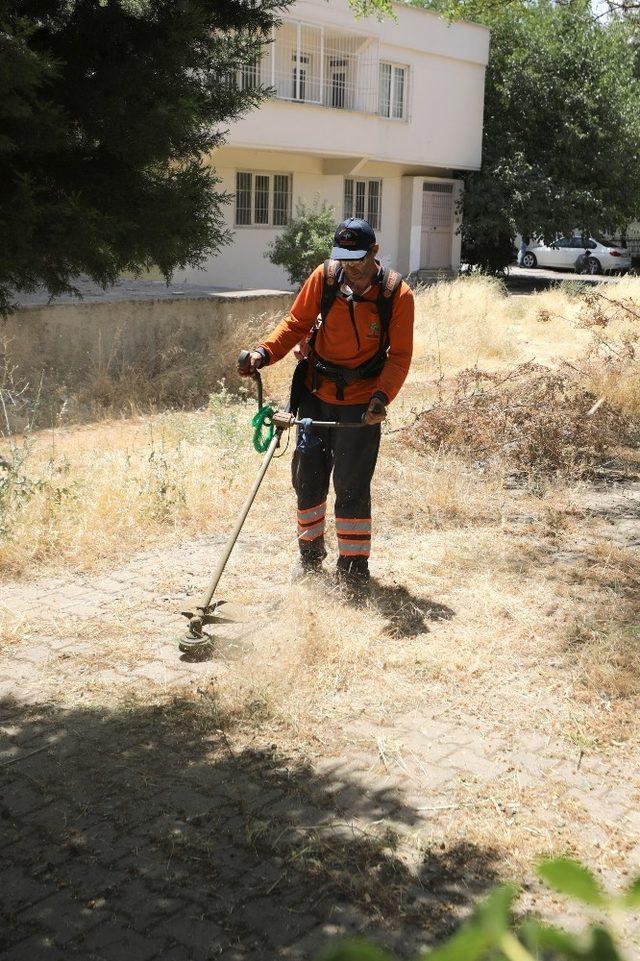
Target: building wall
{"points": [[243, 264], [446, 94], [445, 129], [318, 146]]}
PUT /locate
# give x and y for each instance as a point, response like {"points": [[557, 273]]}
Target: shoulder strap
{"points": [[330, 284], [391, 280]]}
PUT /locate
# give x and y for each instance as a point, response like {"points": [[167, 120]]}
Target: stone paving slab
{"points": [[124, 837]]}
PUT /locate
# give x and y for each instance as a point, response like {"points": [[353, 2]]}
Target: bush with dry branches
{"points": [[570, 418]]}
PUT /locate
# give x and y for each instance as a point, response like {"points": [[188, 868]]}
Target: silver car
{"points": [[567, 254]]}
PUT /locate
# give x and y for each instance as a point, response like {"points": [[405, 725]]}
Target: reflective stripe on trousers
{"points": [[311, 522], [350, 456], [354, 536]]}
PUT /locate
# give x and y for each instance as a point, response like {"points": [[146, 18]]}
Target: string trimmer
{"points": [[269, 425]]}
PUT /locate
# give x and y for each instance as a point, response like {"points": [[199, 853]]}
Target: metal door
{"points": [[437, 225]]}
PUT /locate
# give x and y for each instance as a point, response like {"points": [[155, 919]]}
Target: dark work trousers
{"points": [[352, 455]]}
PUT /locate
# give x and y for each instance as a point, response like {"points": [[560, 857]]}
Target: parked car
{"points": [[562, 254]]}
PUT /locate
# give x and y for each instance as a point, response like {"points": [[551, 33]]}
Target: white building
{"points": [[373, 117]]}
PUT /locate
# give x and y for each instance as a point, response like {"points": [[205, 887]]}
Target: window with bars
{"points": [[362, 199], [393, 86], [299, 77], [262, 199], [247, 77]]}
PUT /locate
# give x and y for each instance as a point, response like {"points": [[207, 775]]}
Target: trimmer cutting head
{"points": [[196, 638]]}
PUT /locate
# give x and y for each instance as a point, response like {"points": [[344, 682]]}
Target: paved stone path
{"points": [[142, 832]]}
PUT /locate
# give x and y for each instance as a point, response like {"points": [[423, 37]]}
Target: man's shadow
{"points": [[406, 614]]}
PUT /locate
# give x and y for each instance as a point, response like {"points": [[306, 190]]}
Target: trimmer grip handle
{"points": [[244, 360], [244, 365]]}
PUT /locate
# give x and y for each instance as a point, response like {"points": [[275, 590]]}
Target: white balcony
{"points": [[309, 63], [408, 93]]}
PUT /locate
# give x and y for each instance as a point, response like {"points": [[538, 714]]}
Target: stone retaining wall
{"points": [[68, 340]]}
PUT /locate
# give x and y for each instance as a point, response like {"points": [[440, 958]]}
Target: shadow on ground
{"points": [[149, 832], [406, 614]]}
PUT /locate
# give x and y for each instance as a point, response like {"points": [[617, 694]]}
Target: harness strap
{"points": [[344, 376]]}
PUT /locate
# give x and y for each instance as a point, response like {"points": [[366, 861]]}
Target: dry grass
{"points": [[472, 322], [82, 497], [533, 419], [173, 377], [473, 573], [13, 628], [502, 607]]}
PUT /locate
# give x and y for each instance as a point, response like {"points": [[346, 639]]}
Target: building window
{"points": [[362, 199], [249, 77], [243, 199], [300, 67], [393, 87], [281, 199], [338, 73], [262, 199]]}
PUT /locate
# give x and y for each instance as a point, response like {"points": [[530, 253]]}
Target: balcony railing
{"points": [[308, 63]]}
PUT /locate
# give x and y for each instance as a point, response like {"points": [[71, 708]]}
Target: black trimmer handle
{"points": [[244, 364]]}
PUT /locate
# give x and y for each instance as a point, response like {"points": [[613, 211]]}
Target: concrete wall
{"points": [[69, 341]]}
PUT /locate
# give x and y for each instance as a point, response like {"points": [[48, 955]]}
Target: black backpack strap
{"points": [[331, 277], [389, 284], [330, 285]]}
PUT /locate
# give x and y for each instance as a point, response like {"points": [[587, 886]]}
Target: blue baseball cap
{"points": [[353, 240]]}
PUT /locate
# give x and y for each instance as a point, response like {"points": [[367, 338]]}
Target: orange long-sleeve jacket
{"points": [[339, 343]]}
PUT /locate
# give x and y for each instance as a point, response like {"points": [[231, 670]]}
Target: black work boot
{"points": [[353, 572], [309, 562]]}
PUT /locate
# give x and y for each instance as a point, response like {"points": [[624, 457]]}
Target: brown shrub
{"points": [[533, 419]]}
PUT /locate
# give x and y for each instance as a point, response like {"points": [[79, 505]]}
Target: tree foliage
{"points": [[305, 242], [561, 124], [108, 110], [562, 129]]}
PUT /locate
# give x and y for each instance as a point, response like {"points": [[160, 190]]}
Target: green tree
{"points": [[108, 111], [561, 125], [305, 242], [561, 134]]}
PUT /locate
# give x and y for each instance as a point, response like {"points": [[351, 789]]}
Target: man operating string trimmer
{"points": [[352, 327]]}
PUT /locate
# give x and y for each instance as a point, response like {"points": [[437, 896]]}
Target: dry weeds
{"points": [[533, 419]]}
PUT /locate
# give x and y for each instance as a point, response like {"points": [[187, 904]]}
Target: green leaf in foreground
{"points": [[631, 897], [355, 950], [490, 921], [594, 944], [467, 944], [494, 913], [570, 877]]}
